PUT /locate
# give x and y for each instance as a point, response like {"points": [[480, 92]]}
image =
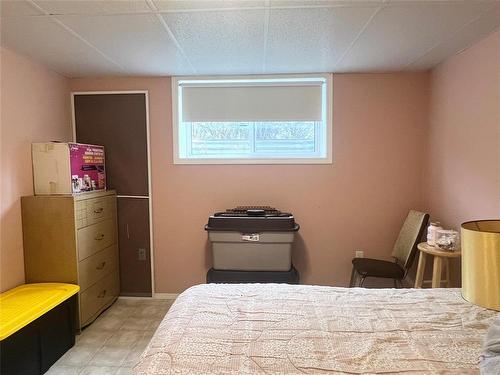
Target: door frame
{"points": [[148, 139]]}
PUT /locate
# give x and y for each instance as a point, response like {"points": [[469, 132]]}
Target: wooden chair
{"points": [[403, 252]]}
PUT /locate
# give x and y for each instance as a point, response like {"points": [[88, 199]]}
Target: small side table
{"points": [[440, 256]]}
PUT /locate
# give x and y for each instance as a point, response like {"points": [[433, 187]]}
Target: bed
{"points": [[300, 329]]}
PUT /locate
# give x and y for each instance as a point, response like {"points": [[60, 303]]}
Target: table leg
{"points": [[447, 272], [419, 278], [437, 269]]}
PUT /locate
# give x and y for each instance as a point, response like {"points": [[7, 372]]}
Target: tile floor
{"points": [[114, 342]]}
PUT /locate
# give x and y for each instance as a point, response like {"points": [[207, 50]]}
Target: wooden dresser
{"points": [[73, 239]]}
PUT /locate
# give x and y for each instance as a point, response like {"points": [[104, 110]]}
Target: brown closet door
{"points": [[119, 123], [133, 237]]}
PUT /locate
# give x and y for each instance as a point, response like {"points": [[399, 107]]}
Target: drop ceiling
{"points": [[95, 38]]}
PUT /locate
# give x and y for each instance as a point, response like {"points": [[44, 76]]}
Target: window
{"points": [[252, 120]]}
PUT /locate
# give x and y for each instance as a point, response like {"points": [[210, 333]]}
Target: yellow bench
{"points": [[37, 326]]}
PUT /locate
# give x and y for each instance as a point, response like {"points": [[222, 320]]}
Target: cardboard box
{"points": [[67, 168]]}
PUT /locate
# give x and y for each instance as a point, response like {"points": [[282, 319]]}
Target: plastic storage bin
{"points": [[252, 239], [37, 326], [262, 277]]}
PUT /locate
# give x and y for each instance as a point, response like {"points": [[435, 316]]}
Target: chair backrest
{"points": [[409, 236]]}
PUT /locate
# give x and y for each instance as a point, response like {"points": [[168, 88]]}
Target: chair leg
{"points": [[362, 280], [395, 283], [353, 275]]}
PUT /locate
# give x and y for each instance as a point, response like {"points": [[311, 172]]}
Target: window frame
{"points": [[327, 107]]}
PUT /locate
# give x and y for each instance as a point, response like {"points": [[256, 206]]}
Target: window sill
{"points": [[298, 161]]}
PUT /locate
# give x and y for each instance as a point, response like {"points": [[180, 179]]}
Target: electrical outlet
{"points": [[141, 254], [360, 254]]}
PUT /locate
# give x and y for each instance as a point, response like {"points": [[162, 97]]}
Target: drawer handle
{"points": [[99, 210], [99, 237], [101, 266], [102, 294]]}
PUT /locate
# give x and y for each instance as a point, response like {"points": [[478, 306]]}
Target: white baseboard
{"points": [[165, 295]]}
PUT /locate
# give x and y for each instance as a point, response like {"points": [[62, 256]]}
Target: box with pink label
{"points": [[67, 168]]}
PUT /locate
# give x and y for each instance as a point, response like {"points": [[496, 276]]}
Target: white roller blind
{"points": [[252, 102]]}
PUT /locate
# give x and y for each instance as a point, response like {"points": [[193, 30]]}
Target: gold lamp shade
{"points": [[481, 263]]}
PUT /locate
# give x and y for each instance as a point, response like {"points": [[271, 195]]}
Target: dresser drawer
{"points": [[91, 211], [96, 237], [100, 208], [95, 298], [95, 267]]}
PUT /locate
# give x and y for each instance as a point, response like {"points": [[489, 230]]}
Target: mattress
{"points": [[299, 329]]}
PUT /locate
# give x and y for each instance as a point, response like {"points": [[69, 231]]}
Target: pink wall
{"points": [[401, 141], [358, 202], [35, 107], [463, 167]]}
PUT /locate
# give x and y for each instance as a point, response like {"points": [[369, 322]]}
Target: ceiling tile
{"points": [[440, 2], [466, 37], [311, 40], [402, 32], [227, 37], [221, 42], [46, 42], [171, 5], [324, 3], [138, 42], [92, 6], [16, 8]]}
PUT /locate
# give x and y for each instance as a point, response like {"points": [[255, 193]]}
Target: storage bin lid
{"points": [[247, 219], [26, 303]]}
